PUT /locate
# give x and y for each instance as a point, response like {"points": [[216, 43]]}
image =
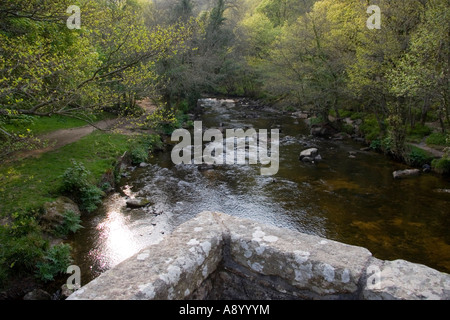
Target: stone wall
{"points": [[216, 256]]}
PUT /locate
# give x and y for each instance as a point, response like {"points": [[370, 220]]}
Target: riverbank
{"points": [[334, 198], [31, 182], [426, 151]]}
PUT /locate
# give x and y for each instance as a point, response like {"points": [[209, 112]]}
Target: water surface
{"points": [[352, 200]]}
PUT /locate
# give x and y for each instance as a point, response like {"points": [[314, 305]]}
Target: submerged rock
{"points": [[401, 174], [442, 191]]}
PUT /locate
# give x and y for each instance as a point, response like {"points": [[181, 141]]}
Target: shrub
{"points": [[75, 178], [370, 128], [442, 165], [21, 244], [376, 144], [417, 157], [55, 261], [437, 138], [419, 131], [90, 198], [318, 120], [76, 184], [348, 128], [138, 154], [141, 146], [71, 224]]}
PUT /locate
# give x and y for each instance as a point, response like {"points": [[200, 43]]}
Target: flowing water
{"points": [[352, 200]]}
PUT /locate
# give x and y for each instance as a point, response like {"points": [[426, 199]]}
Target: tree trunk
{"points": [[424, 111]]}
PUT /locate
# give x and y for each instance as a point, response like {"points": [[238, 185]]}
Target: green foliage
{"points": [[142, 146], [31, 182], [347, 128], [318, 120], [418, 157], [419, 131], [442, 165], [376, 145], [438, 139], [382, 145], [77, 185], [22, 244], [138, 154], [71, 224], [55, 261], [47, 69], [75, 178], [370, 128]]}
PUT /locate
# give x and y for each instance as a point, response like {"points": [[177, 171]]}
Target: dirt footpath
{"points": [[60, 138]]}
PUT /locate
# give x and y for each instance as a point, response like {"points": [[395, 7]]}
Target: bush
{"points": [[71, 224], [76, 184], [376, 144], [370, 128], [21, 244], [55, 261], [75, 178], [417, 157], [90, 198], [142, 146], [442, 165], [318, 120], [419, 131], [348, 128], [438, 139], [138, 154]]}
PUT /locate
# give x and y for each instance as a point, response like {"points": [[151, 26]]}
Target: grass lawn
{"points": [[42, 125], [29, 183]]}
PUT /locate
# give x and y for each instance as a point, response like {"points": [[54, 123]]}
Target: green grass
{"points": [[43, 125], [370, 128], [437, 139], [28, 184], [417, 133], [417, 157]]}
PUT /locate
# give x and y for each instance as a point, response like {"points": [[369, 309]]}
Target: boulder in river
{"points": [[310, 155], [323, 131], [401, 174], [37, 294], [137, 203], [442, 190]]}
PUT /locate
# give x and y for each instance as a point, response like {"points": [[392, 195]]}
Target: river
{"points": [[354, 200]]}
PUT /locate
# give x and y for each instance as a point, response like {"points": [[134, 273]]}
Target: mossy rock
{"points": [[54, 212]]}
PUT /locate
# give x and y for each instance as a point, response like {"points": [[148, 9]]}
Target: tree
{"points": [[47, 69], [422, 73], [308, 59]]}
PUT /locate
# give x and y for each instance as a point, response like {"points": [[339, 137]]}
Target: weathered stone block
{"points": [[215, 251], [172, 269], [306, 262], [403, 280]]}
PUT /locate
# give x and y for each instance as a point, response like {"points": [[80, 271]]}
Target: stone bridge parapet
{"points": [[217, 256]]}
